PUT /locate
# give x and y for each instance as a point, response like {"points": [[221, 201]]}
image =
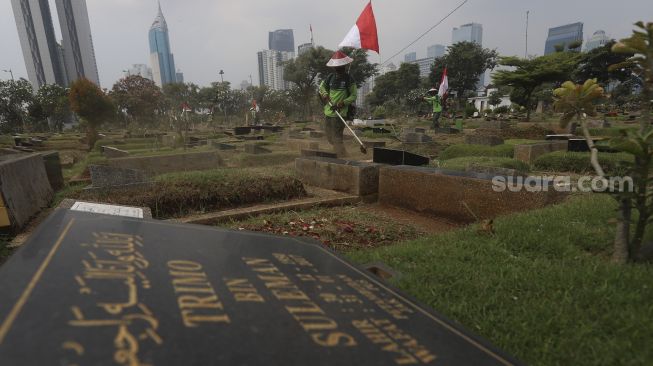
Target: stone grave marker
{"points": [[447, 130], [319, 154], [239, 131], [373, 144], [256, 149], [316, 134], [94, 289], [112, 152], [103, 176], [415, 138], [398, 157], [222, 146]]}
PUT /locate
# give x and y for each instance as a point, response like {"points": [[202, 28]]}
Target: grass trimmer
{"points": [[363, 148]]}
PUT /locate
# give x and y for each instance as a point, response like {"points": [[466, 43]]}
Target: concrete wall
{"points": [[170, 163], [25, 189], [53, 169], [458, 196], [528, 153], [361, 179]]}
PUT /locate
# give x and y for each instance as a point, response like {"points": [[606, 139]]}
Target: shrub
{"points": [[379, 112], [579, 162], [608, 132], [470, 109], [458, 151], [465, 162], [502, 110]]}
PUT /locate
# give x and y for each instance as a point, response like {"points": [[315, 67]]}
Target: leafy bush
{"points": [[608, 132], [458, 151], [579, 162], [470, 109], [465, 162], [502, 110], [379, 112]]}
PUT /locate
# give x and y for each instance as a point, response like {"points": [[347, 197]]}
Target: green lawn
{"points": [[494, 162], [542, 288]]}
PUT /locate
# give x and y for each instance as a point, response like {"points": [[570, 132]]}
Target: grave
{"points": [[487, 140], [319, 154], [580, 144], [256, 149], [415, 138], [240, 131], [398, 157], [316, 134], [101, 208], [447, 130], [24, 189], [112, 152], [170, 163], [222, 146], [95, 289], [497, 125], [353, 177], [414, 130], [251, 138], [53, 169], [459, 196], [103, 176], [299, 145], [529, 153], [558, 137]]}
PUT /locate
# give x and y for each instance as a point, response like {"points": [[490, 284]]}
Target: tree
{"points": [[15, 100], [528, 74], [465, 63], [395, 85], [596, 63], [139, 98], [54, 105], [495, 98], [90, 103]]}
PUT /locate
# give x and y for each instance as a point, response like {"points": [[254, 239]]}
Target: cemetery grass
{"points": [[579, 162], [343, 229], [181, 194], [494, 162], [463, 150], [542, 287]]}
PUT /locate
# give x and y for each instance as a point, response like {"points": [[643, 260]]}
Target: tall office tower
{"points": [[599, 39], [161, 57], [79, 53], [435, 51], [410, 57], [425, 65], [563, 36], [41, 52], [282, 40], [472, 32], [270, 68]]}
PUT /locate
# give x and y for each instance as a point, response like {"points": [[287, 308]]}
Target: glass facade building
{"points": [[435, 51], [599, 39], [563, 36], [410, 57], [282, 40], [161, 57]]}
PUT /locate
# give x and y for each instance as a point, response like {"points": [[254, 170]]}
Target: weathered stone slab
{"points": [[316, 134], [398, 157], [170, 163], [528, 153], [447, 130], [53, 169], [95, 207], [458, 196], [299, 145], [104, 176], [92, 289], [483, 140], [25, 189], [222, 146], [361, 179], [256, 149], [415, 138], [251, 138], [239, 131], [414, 130], [319, 154], [112, 152]]}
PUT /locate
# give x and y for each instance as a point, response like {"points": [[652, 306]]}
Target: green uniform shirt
{"points": [[338, 92], [437, 105]]}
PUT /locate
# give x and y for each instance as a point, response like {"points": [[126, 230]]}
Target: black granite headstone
{"points": [[91, 289], [319, 154], [239, 131], [578, 145], [398, 157]]}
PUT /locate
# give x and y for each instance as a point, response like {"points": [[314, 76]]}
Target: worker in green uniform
{"points": [[338, 93], [434, 99]]}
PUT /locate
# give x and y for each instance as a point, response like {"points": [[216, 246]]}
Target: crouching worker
{"points": [[434, 99], [338, 93]]}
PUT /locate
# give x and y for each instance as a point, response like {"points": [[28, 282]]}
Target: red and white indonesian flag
{"points": [[444, 85], [363, 34]]}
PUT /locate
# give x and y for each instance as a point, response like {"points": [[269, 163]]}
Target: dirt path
{"points": [[423, 223]]}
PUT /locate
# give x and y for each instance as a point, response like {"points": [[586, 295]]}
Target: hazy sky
{"points": [[209, 35]]}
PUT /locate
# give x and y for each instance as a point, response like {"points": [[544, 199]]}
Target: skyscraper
{"points": [[564, 36], [161, 57], [425, 65], [79, 53], [599, 39], [282, 40], [435, 51], [472, 32], [303, 48], [270, 68], [41, 52], [410, 57]]}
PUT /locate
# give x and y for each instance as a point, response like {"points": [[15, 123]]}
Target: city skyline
{"points": [[162, 59], [204, 33]]}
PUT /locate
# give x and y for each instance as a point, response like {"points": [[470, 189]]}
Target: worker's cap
{"points": [[433, 90], [339, 59]]}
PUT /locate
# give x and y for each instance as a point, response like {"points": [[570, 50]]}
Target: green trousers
{"points": [[334, 128]]}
